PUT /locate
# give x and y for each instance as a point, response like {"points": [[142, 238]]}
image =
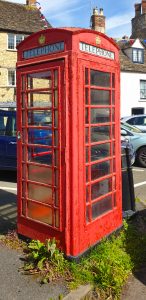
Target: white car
{"points": [[138, 139], [136, 120]]}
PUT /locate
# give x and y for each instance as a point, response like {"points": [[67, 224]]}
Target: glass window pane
{"points": [[113, 97], [40, 80], [40, 174], [11, 41], [56, 197], [40, 155], [100, 115], [87, 194], [56, 137], [19, 39], [86, 135], [56, 78], [113, 80], [40, 193], [55, 98], [56, 118], [142, 89], [86, 96], [11, 77], [113, 115], [41, 213], [101, 188], [100, 97], [101, 133], [86, 116], [87, 154], [40, 117], [40, 99], [99, 78], [101, 207], [86, 76], [56, 157], [100, 170], [87, 174], [100, 151], [40, 136]]}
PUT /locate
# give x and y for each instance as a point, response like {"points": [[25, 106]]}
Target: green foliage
{"points": [[107, 267], [46, 259]]}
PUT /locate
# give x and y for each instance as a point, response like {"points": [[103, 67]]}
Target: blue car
{"points": [[8, 141]]}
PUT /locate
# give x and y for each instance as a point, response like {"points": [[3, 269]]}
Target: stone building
{"points": [[139, 21], [16, 22]]}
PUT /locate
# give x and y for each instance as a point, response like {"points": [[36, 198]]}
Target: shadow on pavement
{"points": [[8, 211], [141, 274]]}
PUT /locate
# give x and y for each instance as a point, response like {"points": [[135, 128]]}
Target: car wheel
{"points": [[141, 157]]}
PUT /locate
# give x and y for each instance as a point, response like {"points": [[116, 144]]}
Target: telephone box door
{"points": [[41, 149]]}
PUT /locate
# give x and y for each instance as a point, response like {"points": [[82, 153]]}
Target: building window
{"points": [[14, 40], [142, 89], [11, 77], [138, 56]]}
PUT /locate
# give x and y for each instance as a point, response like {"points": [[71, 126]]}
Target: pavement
{"points": [[16, 286]]}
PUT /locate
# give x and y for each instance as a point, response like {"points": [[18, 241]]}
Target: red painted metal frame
{"points": [[76, 234], [23, 218]]}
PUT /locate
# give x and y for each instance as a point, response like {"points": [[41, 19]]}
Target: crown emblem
{"points": [[42, 39], [98, 40]]}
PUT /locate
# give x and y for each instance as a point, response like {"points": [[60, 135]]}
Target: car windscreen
{"points": [[133, 129]]}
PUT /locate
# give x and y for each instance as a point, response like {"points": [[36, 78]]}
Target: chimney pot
{"points": [[95, 11], [31, 2], [101, 11]]}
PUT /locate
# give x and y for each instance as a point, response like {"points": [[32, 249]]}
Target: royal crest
{"points": [[42, 39], [98, 40]]}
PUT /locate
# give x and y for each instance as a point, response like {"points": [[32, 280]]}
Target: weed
{"points": [[12, 241], [46, 259]]}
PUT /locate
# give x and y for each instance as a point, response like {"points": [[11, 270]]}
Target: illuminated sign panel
{"points": [[97, 51], [48, 49]]}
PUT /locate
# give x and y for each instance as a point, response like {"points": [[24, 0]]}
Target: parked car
{"points": [[138, 139], [8, 142], [136, 120]]}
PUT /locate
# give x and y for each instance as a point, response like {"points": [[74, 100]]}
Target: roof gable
{"points": [[137, 44], [19, 18]]}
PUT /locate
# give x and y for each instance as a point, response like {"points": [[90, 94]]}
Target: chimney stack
{"points": [[98, 20], [143, 6], [31, 2]]}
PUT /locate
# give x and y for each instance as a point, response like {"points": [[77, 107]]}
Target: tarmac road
{"points": [[14, 285]]}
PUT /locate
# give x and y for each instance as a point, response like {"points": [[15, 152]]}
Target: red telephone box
{"points": [[69, 162]]}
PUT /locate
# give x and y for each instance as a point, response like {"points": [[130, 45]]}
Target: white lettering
{"points": [[44, 50], [97, 51]]}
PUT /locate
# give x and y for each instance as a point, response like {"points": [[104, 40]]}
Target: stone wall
{"points": [[8, 60]]}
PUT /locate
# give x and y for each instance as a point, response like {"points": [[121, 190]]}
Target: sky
{"points": [[77, 13]]}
